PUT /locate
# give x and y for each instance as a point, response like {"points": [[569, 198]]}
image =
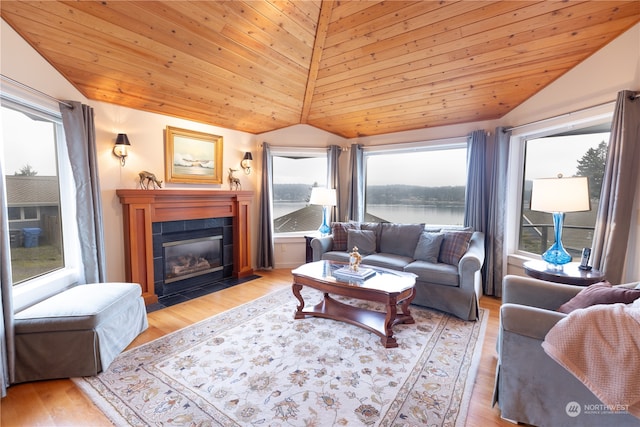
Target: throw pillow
{"points": [[428, 247], [454, 245], [364, 240], [376, 227], [339, 231], [600, 293], [400, 239]]}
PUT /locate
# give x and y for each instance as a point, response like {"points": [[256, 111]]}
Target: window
{"points": [[576, 153], [417, 185], [40, 198], [295, 172]]}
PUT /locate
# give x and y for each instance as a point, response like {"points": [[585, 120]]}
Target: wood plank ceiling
{"points": [[349, 67]]}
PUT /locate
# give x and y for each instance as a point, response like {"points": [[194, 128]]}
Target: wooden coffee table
{"points": [[389, 287]]}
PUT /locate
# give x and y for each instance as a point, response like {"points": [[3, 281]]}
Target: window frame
{"points": [[515, 174], [454, 143], [295, 152], [43, 286]]}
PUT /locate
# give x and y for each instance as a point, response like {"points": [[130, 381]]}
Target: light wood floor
{"points": [[60, 403]]}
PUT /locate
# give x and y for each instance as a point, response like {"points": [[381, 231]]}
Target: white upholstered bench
{"points": [[77, 332]]}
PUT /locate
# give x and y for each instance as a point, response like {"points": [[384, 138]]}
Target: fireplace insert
{"points": [[184, 259]]}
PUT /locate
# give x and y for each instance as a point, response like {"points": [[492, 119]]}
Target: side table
{"points": [[569, 274], [308, 251]]}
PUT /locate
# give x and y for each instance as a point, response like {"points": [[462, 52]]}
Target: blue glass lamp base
{"points": [[556, 254], [324, 228]]}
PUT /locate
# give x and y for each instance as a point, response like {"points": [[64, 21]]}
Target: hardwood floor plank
{"points": [[61, 403]]}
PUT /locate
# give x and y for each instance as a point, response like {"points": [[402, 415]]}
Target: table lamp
{"points": [[557, 196], [324, 197]]}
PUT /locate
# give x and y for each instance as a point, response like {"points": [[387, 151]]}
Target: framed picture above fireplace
{"points": [[192, 157]]}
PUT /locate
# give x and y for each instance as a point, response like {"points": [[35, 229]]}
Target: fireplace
{"points": [[146, 211], [184, 259], [191, 254]]}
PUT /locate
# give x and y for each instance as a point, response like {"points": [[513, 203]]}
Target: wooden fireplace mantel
{"points": [[141, 208]]}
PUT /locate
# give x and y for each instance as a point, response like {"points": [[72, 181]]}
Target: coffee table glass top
{"points": [[384, 279]]}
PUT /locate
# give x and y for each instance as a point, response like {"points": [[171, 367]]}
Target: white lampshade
{"points": [[323, 196], [560, 194]]}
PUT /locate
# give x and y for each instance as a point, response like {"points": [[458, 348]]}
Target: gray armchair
{"points": [[531, 387]]}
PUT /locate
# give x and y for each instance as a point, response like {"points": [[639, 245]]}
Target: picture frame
{"points": [[192, 157]]}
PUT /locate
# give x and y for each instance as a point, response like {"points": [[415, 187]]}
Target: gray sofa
{"points": [[446, 260], [531, 387]]}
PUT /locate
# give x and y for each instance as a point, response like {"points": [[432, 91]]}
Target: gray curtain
{"points": [[475, 212], [496, 167], [613, 222], [355, 206], [80, 134], [333, 178], [485, 200], [265, 224], [7, 353]]}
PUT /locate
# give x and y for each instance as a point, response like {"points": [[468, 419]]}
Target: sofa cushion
{"points": [[376, 227], [428, 247], [364, 240], [454, 245], [440, 274], [392, 261], [400, 239], [79, 308], [340, 256], [339, 231], [600, 293]]}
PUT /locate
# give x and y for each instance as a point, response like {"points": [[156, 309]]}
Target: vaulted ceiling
{"points": [[349, 67]]}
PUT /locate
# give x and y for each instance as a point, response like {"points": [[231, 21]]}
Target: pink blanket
{"points": [[600, 346]]}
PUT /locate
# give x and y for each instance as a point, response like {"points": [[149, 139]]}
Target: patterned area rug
{"points": [[256, 366]]}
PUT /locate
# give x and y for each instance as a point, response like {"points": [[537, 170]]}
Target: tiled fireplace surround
{"points": [[186, 229]]}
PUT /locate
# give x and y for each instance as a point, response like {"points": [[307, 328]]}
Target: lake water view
{"points": [[428, 214]]}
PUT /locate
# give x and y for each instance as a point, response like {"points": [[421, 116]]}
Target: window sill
{"points": [[293, 237], [38, 289]]}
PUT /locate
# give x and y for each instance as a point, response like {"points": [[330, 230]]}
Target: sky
{"points": [[26, 141], [566, 153], [426, 168], [448, 167]]}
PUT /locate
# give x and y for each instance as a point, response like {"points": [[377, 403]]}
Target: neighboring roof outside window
{"points": [[32, 190], [306, 219]]}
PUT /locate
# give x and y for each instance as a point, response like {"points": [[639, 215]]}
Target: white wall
{"points": [[596, 80]]}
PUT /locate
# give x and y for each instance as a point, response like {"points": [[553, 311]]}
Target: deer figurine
{"points": [[147, 178], [234, 183]]}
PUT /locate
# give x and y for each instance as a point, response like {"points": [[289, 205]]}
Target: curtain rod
{"points": [[36, 91], [560, 116]]}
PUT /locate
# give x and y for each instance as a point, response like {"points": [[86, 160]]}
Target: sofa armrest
{"points": [[528, 321], [320, 245], [536, 293], [471, 262]]}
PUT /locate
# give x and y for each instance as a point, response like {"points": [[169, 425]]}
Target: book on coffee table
{"points": [[346, 274]]}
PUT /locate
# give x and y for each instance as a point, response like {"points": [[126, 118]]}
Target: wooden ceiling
{"points": [[349, 67]]}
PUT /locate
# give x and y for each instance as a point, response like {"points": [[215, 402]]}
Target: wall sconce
{"points": [[246, 162], [120, 148]]}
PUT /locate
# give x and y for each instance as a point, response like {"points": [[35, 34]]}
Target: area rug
{"points": [[256, 366]]}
